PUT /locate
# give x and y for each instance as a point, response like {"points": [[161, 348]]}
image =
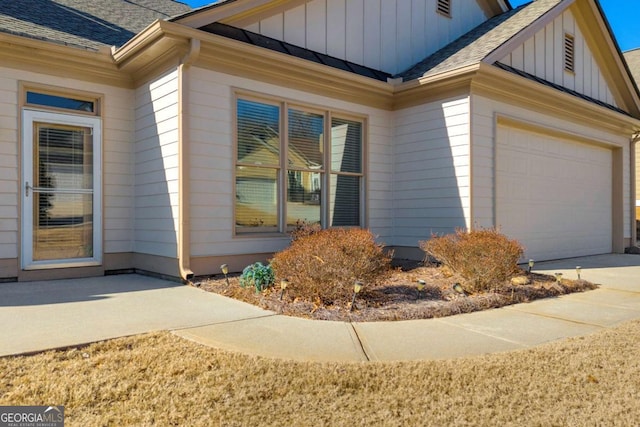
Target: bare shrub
{"points": [[322, 266], [483, 257], [304, 228]]}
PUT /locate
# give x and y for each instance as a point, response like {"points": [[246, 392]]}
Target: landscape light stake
{"points": [[531, 262], [459, 289], [559, 278], [283, 285], [421, 285], [357, 287], [578, 270], [225, 271]]}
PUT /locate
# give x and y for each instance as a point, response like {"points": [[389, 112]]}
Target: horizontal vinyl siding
{"points": [[117, 123], [211, 127], [543, 56], [380, 175], [431, 162], [389, 35], [484, 114], [9, 179], [156, 167], [119, 128], [638, 178]]}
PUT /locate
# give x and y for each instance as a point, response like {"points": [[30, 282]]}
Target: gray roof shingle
{"points": [[88, 24], [477, 44]]}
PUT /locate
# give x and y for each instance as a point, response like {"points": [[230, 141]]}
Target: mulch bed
{"points": [[398, 298]]}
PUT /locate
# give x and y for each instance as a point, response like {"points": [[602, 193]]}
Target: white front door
{"points": [[61, 197]]}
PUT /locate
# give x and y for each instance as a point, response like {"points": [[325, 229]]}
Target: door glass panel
{"points": [[62, 193]]}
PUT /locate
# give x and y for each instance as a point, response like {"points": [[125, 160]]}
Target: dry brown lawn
{"points": [[160, 379]]}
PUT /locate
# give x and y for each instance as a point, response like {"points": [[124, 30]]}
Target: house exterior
{"points": [[144, 136], [633, 60]]}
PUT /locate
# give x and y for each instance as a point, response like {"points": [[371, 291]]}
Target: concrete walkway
{"points": [[43, 315]]}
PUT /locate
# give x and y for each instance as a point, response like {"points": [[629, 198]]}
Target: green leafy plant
{"points": [[485, 258], [322, 265], [258, 276]]}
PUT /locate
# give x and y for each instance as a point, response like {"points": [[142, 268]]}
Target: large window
{"points": [[294, 165]]}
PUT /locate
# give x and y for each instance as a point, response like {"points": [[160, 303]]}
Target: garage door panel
{"points": [[553, 195]]}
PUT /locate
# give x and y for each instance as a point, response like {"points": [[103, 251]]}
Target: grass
{"points": [[160, 379]]}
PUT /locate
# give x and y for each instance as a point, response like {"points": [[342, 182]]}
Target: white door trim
{"points": [[29, 117]]}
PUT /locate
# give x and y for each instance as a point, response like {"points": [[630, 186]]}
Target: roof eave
{"points": [[161, 45], [165, 43], [435, 86], [44, 56], [535, 96], [222, 10]]}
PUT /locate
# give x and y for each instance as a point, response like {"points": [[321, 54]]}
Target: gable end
{"points": [[572, 46]]}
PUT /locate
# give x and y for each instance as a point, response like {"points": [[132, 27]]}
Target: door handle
{"points": [[27, 187]]}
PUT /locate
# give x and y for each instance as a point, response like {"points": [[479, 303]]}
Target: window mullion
{"points": [[326, 177], [284, 166], [363, 173], [348, 174]]}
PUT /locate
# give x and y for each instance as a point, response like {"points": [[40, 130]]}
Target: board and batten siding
{"points": [[212, 128], [156, 167], [484, 114], [432, 170], [388, 35], [117, 124], [543, 56]]}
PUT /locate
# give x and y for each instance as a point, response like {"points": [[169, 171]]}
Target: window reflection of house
{"points": [[305, 151]]}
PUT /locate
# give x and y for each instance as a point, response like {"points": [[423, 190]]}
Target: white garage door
{"points": [[553, 195]]}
